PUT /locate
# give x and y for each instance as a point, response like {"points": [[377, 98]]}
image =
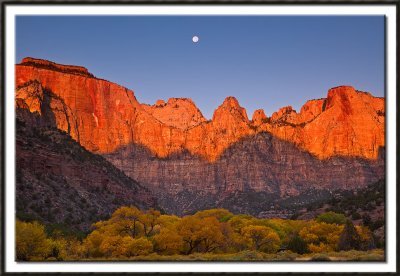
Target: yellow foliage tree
{"points": [[238, 242], [138, 247], [211, 234], [126, 220], [321, 236], [103, 246], [31, 241], [122, 235], [200, 234], [58, 249], [149, 220], [92, 244], [219, 214], [112, 246], [261, 238], [74, 249], [168, 242], [167, 221], [239, 221]]}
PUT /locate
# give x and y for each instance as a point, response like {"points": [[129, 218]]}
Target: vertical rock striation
{"points": [[335, 142]]}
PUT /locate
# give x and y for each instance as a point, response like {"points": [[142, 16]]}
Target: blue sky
{"points": [[264, 61]]}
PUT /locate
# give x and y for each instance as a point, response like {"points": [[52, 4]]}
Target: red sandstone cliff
{"points": [[71, 69], [103, 116], [346, 123]]}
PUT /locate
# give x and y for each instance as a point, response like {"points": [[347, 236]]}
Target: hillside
{"points": [[59, 181]]}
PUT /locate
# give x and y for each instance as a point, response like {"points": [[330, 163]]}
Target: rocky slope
{"points": [[192, 163], [58, 181]]}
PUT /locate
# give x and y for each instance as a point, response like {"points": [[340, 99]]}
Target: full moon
{"points": [[195, 39]]}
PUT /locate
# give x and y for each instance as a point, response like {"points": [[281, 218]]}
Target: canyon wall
{"points": [[59, 181], [106, 116], [333, 143]]}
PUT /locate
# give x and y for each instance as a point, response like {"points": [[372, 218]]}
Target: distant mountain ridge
{"points": [[106, 116]]}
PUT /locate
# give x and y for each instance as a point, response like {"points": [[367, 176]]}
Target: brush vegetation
{"points": [[209, 235]]}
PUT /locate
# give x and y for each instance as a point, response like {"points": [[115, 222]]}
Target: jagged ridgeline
{"points": [[190, 163]]}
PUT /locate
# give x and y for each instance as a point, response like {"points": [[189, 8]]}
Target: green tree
{"points": [[297, 244], [349, 238], [332, 218]]}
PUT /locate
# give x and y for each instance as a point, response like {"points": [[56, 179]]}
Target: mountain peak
{"points": [[283, 113], [231, 107], [160, 103], [342, 88], [181, 100], [231, 101], [176, 112], [342, 96], [259, 116]]}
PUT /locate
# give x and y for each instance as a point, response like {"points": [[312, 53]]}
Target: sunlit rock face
{"points": [[334, 142], [181, 113], [346, 123], [104, 116], [259, 117]]}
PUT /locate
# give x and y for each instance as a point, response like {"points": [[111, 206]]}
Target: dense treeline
{"points": [[130, 233]]}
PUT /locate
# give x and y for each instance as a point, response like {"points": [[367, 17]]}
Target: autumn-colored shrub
{"points": [[139, 247], [331, 217], [216, 234], [321, 237], [32, 243]]}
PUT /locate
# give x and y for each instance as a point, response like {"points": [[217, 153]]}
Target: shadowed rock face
{"points": [[260, 163], [333, 143], [58, 181]]}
